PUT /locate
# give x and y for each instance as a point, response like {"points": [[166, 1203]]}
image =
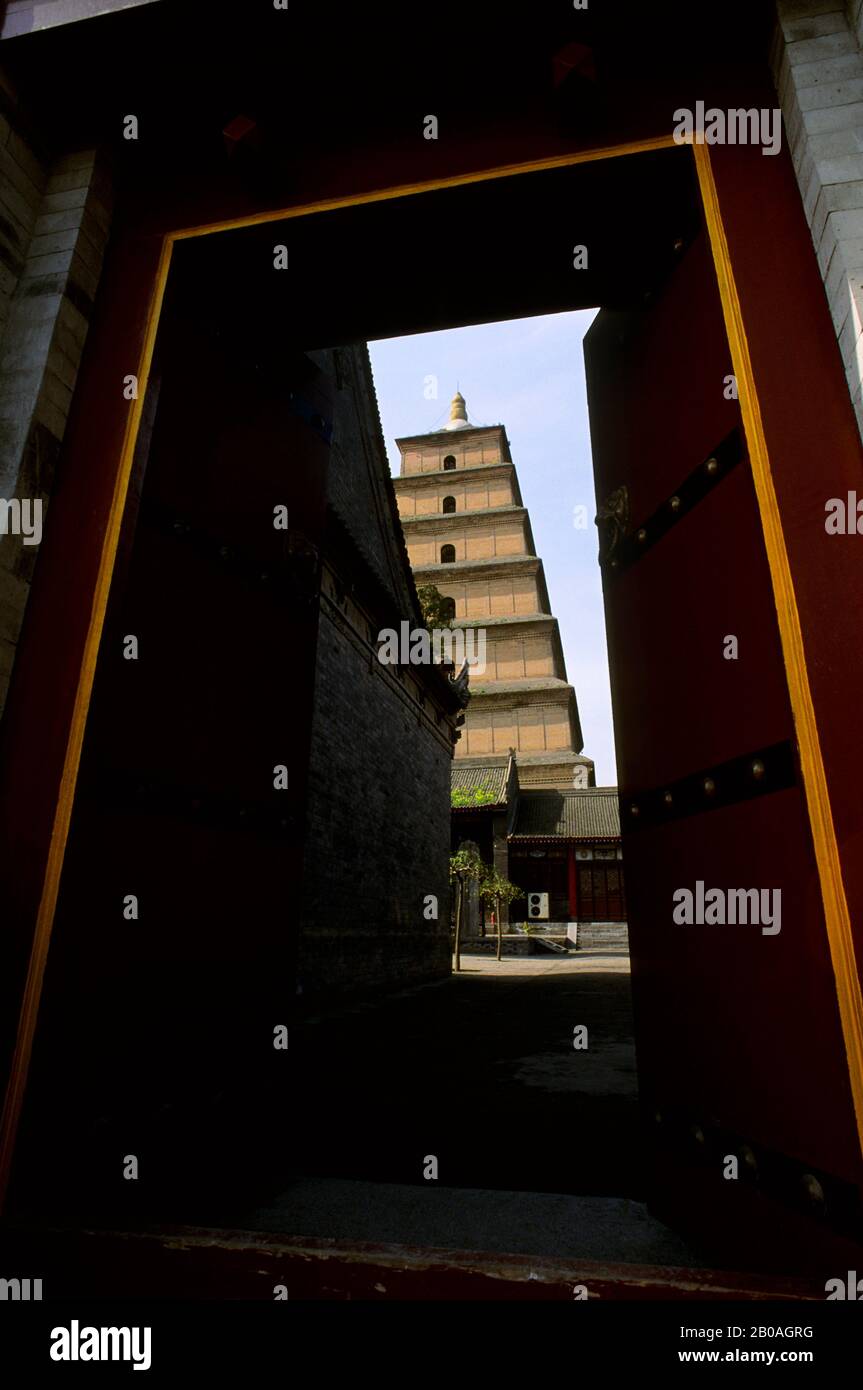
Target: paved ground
{"points": [[538, 1144], [605, 1229], [480, 1072]]}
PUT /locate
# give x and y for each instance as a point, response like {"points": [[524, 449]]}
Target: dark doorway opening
{"points": [[231, 317]]}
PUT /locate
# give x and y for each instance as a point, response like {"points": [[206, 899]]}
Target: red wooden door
{"points": [[738, 1032]]}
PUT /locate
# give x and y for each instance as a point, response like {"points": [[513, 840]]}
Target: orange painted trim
{"points": [[827, 853], [407, 190], [836, 914], [21, 1057]]}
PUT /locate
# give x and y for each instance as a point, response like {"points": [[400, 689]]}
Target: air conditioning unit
{"points": [[537, 907]]}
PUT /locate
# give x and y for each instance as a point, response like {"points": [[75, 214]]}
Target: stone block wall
{"points": [[521, 652], [526, 723], [599, 936], [478, 595], [470, 493], [378, 814], [359, 485], [818, 68], [469, 449], [376, 845], [474, 538], [55, 217]]}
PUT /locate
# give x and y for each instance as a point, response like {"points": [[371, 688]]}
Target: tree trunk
{"points": [[499, 933], [458, 898]]}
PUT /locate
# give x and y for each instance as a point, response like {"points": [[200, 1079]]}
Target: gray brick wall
{"points": [[360, 488], [378, 831], [818, 68], [376, 844], [54, 225]]}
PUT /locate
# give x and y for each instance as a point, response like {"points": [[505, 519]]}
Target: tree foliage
{"points": [[434, 606], [495, 888], [464, 865]]}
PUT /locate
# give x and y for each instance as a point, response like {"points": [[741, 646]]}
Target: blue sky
{"points": [[527, 374]]}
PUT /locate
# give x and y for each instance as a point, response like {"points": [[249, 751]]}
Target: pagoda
{"points": [[468, 533]]}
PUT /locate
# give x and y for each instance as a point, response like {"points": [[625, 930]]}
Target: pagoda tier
{"points": [[468, 533]]}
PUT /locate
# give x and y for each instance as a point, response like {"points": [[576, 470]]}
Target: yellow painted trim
{"points": [[406, 190], [836, 914], [20, 1066], [851, 1007]]}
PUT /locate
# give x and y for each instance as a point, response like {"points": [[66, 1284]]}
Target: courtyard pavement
{"points": [[538, 1145]]}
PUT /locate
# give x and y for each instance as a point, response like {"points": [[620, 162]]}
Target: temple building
{"points": [[563, 846], [468, 533]]}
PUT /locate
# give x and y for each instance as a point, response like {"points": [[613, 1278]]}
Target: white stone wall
{"points": [[818, 67]]}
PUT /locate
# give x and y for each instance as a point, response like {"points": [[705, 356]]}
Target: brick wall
{"points": [[359, 487], [378, 816], [468, 495], [818, 68], [377, 838], [474, 538], [470, 449], [516, 656], [54, 224], [513, 595], [494, 726]]}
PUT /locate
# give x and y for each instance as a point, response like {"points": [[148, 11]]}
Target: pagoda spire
{"points": [[457, 413]]}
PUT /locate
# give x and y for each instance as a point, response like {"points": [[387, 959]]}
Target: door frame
{"points": [[814, 776]]}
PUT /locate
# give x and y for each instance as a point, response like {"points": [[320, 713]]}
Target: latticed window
{"points": [[601, 895], [447, 554], [449, 504]]}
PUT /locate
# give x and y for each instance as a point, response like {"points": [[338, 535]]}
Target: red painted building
{"points": [[567, 844], [563, 844]]}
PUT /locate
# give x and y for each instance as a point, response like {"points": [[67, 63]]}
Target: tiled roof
{"points": [[487, 777], [591, 814]]}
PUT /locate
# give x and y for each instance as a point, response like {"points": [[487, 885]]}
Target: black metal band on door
{"points": [[620, 547], [739, 779]]}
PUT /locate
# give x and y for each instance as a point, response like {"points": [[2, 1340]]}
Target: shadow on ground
{"points": [[480, 1072], [537, 1143]]}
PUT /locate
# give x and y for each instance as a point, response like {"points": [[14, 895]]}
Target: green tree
{"points": [[495, 889], [464, 866], [434, 607]]}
